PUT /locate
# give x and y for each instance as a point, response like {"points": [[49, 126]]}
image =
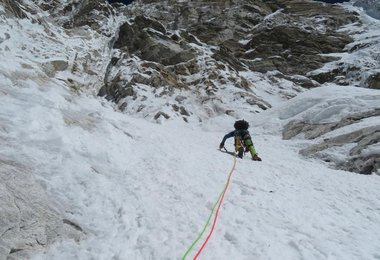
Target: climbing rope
{"points": [[218, 203], [204, 228]]}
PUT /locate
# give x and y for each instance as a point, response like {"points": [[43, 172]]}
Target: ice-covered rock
{"points": [[344, 126], [373, 81], [28, 221], [36, 50], [205, 47], [360, 64], [357, 160], [371, 7]]}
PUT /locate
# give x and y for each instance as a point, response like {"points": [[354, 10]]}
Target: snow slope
{"points": [[141, 190], [144, 191]]}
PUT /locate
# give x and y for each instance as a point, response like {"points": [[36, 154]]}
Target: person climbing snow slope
{"points": [[243, 140]]}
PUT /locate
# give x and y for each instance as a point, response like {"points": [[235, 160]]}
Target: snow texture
{"points": [[142, 190]]}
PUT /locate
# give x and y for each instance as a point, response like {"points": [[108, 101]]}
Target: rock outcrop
{"points": [[46, 49], [372, 7], [357, 160], [373, 81], [27, 220], [198, 46], [312, 131], [344, 131], [13, 8], [95, 14]]}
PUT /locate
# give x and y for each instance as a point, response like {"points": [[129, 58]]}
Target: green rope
{"points": [[204, 228]]}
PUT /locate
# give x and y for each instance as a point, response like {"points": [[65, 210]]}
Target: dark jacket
{"points": [[241, 133]]}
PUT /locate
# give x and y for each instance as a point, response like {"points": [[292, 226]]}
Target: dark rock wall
{"points": [[355, 161], [169, 37]]}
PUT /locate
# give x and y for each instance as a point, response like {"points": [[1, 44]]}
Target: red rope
{"points": [[217, 212]]}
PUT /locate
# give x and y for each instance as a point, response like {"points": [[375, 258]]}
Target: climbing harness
{"points": [[217, 204], [239, 146]]}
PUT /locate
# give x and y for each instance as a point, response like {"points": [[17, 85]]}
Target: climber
{"points": [[243, 141]]}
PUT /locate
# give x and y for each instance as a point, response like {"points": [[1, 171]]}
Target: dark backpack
{"points": [[241, 125]]}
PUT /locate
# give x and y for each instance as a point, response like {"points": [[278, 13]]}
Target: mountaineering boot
{"points": [[241, 152], [256, 158]]}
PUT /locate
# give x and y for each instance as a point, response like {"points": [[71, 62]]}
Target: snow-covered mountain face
{"points": [[224, 51], [371, 7], [211, 50], [205, 59], [44, 48], [302, 71]]}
